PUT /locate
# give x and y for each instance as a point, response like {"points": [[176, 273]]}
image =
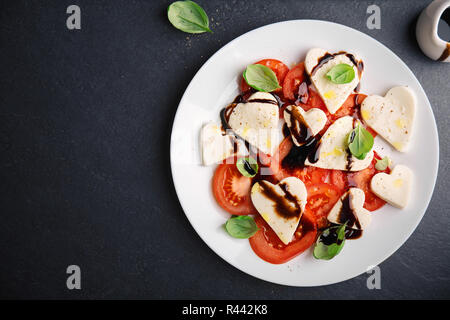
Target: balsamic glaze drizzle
{"points": [[297, 155], [225, 114], [287, 205], [249, 168], [328, 56], [347, 215], [331, 237], [299, 129], [283, 203], [263, 101], [322, 60], [243, 98]]}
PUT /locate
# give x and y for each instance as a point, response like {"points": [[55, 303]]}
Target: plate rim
{"points": [[230, 43]]}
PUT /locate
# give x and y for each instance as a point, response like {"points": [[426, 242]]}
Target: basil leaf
{"points": [[360, 142], [330, 242], [341, 73], [241, 227], [261, 78], [382, 164], [248, 167], [188, 16]]}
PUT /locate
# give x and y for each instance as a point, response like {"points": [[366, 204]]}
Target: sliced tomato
{"points": [[277, 66], [321, 199], [280, 69], [338, 179], [232, 190], [266, 244], [274, 162], [371, 131], [349, 106], [244, 85], [315, 101], [311, 175], [292, 81], [361, 180]]}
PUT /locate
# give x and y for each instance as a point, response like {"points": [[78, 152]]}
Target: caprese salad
{"points": [[295, 153]]}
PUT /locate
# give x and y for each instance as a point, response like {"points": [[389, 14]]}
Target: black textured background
{"points": [[85, 121]]}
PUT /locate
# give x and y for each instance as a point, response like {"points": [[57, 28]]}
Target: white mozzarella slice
{"points": [[256, 121], [303, 124], [391, 116], [394, 188], [216, 146], [281, 205], [349, 208], [333, 152], [333, 95]]}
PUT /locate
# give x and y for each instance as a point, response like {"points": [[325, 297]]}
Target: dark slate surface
{"points": [[85, 121]]}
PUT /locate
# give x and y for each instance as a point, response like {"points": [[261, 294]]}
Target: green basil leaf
{"points": [[382, 164], [248, 167], [188, 16], [341, 73], [261, 78], [326, 250], [241, 227], [360, 142]]}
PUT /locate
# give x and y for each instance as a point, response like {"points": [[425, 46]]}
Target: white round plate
{"points": [[216, 85]]}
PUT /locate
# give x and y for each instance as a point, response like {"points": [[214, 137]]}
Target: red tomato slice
{"points": [[338, 179], [349, 106], [292, 81], [315, 101], [311, 175], [277, 66], [361, 180], [371, 131], [274, 162], [321, 199], [232, 190], [266, 244]]}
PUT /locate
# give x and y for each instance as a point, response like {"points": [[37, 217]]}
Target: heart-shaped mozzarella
{"points": [[394, 188], [349, 208], [217, 146], [333, 150], [317, 64], [304, 124], [391, 116], [256, 121], [280, 205]]}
